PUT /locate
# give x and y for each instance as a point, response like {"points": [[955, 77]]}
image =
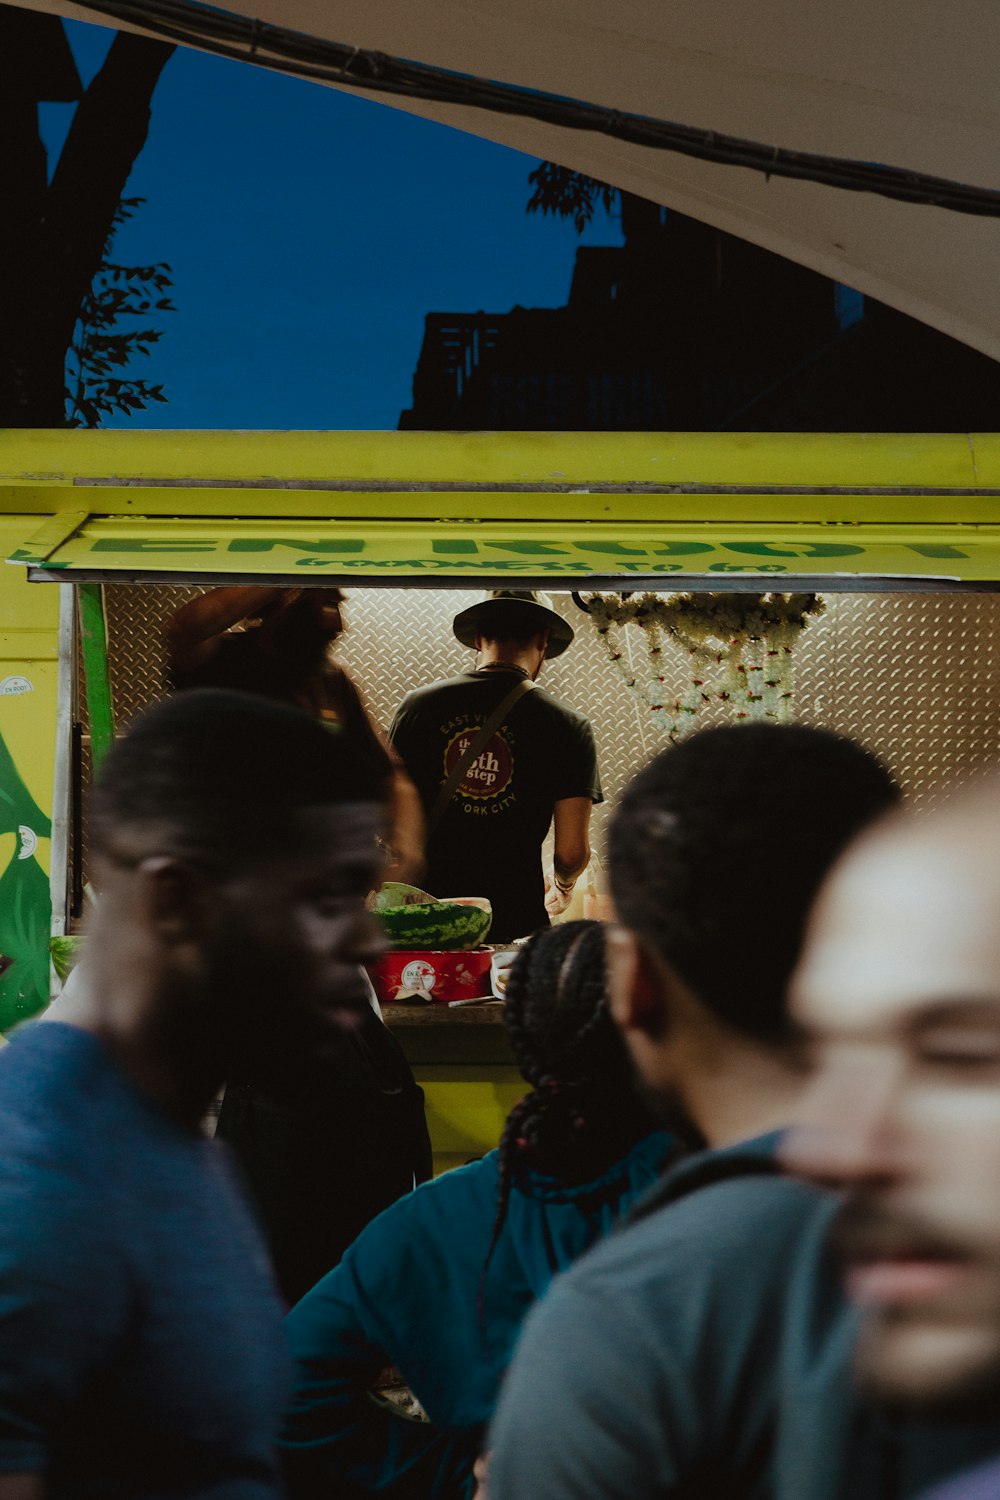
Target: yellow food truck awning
{"points": [[586, 554], [577, 510]]}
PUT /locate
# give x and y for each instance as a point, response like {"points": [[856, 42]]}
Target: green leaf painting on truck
{"points": [[25, 902]]}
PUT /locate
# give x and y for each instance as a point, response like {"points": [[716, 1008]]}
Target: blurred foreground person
{"points": [[285, 653], [900, 990], [141, 1347], [652, 1368], [439, 1284]]}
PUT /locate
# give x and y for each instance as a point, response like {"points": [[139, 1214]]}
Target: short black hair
{"points": [[223, 771], [719, 846]]}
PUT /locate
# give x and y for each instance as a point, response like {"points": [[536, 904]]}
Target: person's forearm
{"points": [[571, 844], [215, 611], [569, 865]]}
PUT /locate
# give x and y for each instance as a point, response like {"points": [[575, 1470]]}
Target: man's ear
{"points": [[173, 898], [636, 994]]}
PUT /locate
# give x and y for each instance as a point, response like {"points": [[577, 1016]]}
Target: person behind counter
{"points": [[344, 1136], [438, 1285], [536, 767], [285, 653]]}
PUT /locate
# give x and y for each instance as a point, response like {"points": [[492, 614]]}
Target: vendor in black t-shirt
{"points": [[539, 768]]}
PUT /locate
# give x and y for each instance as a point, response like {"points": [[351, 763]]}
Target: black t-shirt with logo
{"points": [[489, 839]]}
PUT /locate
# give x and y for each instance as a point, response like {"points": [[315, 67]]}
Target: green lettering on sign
{"points": [[268, 544], [530, 549], [615, 549], [808, 549], [940, 550], [143, 544], [683, 549]]}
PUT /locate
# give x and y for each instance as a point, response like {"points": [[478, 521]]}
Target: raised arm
{"points": [[193, 633]]}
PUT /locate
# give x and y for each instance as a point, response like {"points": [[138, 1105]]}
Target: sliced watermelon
{"points": [[66, 953], [442, 925], [481, 901], [395, 893]]}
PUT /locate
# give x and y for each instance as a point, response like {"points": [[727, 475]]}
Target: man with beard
{"points": [[899, 989], [141, 1348], [653, 1366], [285, 653]]}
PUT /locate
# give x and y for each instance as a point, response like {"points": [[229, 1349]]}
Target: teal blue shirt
{"points": [[405, 1294]]}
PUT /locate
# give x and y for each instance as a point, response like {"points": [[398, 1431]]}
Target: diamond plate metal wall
{"points": [[137, 620], [916, 677]]}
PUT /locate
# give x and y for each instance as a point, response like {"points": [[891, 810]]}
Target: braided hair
{"points": [[583, 1112]]}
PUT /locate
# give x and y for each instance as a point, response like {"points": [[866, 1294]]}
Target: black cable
{"points": [[277, 47]]}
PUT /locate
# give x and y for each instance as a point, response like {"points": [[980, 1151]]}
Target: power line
{"points": [[277, 47]]}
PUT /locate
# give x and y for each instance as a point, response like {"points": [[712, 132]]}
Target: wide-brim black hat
{"points": [[467, 623]]}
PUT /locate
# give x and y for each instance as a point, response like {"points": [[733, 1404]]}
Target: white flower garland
{"points": [[740, 646]]}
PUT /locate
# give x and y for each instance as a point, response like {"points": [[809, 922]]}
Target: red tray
{"points": [[432, 975]]}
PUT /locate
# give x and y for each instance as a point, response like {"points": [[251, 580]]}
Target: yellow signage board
{"points": [[424, 551]]}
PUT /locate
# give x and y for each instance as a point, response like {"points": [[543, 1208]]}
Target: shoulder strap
{"points": [[703, 1170], [474, 750]]}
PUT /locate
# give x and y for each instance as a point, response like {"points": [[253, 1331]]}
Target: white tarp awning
{"points": [[910, 83]]}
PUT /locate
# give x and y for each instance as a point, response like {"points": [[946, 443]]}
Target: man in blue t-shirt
{"points": [[141, 1349]]}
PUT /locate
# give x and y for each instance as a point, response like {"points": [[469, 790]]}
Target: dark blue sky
{"points": [[308, 234]]}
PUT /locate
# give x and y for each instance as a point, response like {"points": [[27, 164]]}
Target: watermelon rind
{"points": [[66, 953], [442, 925], [395, 893]]}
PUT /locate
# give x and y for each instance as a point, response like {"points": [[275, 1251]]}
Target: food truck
{"points": [[879, 554]]}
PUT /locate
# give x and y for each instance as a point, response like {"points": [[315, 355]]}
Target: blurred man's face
{"points": [[900, 988], [292, 932]]}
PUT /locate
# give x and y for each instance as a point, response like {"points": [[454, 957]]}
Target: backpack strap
{"points": [[704, 1170], [473, 751]]}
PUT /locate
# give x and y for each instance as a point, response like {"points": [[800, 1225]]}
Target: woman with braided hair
{"points": [[439, 1284]]}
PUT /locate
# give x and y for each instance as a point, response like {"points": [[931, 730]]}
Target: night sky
{"points": [[308, 233]]}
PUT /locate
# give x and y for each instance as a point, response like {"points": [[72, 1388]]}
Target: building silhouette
{"points": [[685, 327]]}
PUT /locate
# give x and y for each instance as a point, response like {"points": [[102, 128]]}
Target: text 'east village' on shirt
{"points": [[489, 839]]}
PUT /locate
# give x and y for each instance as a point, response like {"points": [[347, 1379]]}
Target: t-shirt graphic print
{"points": [[488, 841], [490, 774]]}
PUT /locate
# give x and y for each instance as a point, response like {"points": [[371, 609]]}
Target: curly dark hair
{"points": [[719, 846]]}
